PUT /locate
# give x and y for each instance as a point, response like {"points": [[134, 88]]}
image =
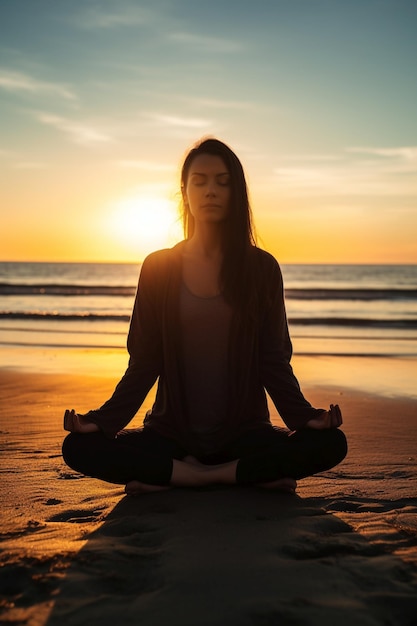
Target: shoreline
{"points": [[388, 376]]}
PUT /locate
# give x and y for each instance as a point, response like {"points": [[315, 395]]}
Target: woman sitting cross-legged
{"points": [[209, 325]]}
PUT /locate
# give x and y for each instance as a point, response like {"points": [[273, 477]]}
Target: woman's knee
{"points": [[76, 448], [339, 445], [331, 448], [71, 452], [68, 448]]}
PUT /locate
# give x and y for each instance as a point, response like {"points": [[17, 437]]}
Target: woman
{"points": [[208, 324]]}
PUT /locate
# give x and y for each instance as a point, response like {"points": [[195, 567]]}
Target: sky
{"points": [[101, 99]]}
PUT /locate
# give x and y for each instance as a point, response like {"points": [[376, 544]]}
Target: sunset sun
{"points": [[144, 223]]}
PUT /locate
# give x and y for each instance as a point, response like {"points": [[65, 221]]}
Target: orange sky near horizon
{"points": [[73, 221], [99, 103]]}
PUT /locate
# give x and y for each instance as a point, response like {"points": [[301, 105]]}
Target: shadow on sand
{"points": [[222, 557]]}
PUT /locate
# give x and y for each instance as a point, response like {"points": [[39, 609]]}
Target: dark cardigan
{"points": [[259, 357]]}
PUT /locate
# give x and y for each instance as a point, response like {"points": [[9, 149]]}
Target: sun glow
{"points": [[143, 223]]}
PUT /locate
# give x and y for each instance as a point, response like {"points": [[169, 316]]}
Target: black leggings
{"points": [[265, 454]]}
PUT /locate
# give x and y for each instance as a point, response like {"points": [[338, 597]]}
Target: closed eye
{"points": [[223, 180], [198, 179]]}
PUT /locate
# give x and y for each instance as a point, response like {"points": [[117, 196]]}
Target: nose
{"points": [[211, 188]]}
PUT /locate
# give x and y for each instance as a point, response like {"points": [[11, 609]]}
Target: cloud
{"points": [[18, 82], [385, 172], [77, 132], [213, 103], [304, 177], [147, 166], [409, 153], [315, 158], [124, 16], [206, 44], [179, 122], [402, 159]]}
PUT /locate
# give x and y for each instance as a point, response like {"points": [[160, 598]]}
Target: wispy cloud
{"points": [[77, 132], [19, 82], [409, 153], [147, 166], [206, 44], [179, 122], [213, 103], [125, 15], [384, 171], [402, 159]]}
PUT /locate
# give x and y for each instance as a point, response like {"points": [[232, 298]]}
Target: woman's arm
{"points": [[277, 374], [145, 349]]}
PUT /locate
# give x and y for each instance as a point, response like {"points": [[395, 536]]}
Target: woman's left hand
{"points": [[78, 424], [327, 419]]}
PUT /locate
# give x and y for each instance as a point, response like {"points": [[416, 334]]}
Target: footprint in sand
{"points": [[75, 516]]}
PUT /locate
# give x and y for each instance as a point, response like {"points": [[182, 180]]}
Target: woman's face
{"points": [[207, 189]]}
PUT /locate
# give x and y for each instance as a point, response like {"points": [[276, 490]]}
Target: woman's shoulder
{"points": [[266, 261], [162, 258]]}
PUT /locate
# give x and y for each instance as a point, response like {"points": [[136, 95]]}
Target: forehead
{"points": [[207, 163]]}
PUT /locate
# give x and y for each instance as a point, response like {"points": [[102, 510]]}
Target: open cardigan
{"points": [[259, 357]]}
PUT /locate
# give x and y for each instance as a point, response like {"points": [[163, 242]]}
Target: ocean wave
{"points": [[351, 294], [356, 322], [309, 293], [65, 317], [73, 345], [17, 289]]}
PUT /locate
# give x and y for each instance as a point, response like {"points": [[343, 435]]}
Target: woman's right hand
{"points": [[75, 423], [327, 419]]}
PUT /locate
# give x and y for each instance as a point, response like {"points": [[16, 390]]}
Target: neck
{"points": [[206, 241]]}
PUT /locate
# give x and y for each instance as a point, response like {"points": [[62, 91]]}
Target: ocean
{"points": [[361, 310]]}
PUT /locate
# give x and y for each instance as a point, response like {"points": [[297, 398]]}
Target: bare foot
{"points": [[288, 485], [136, 488], [191, 460]]}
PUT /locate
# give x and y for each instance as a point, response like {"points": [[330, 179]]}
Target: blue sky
{"points": [[100, 99]]}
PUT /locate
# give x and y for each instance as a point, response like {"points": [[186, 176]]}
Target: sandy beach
{"points": [[76, 551]]}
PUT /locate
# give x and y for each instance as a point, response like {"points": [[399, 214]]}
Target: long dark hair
{"points": [[238, 238]]}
